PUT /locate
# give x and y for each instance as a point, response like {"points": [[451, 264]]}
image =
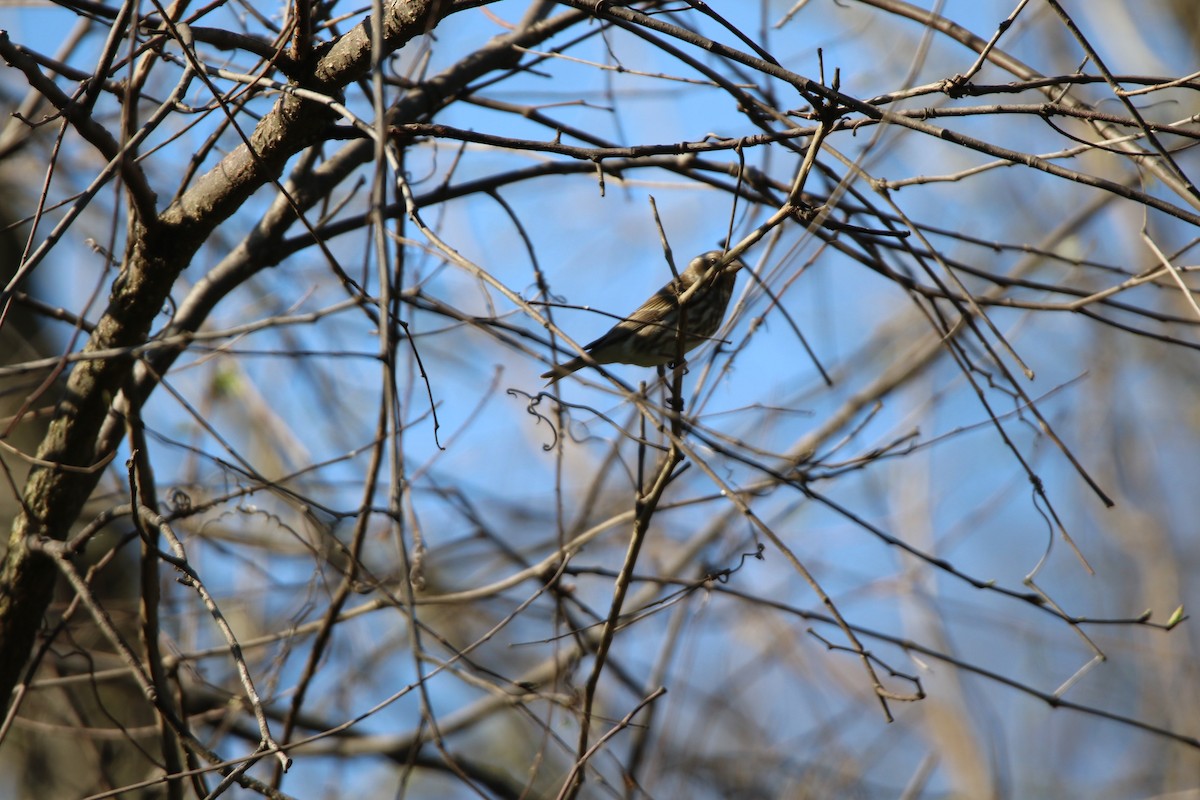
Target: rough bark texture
{"points": [[160, 249]]}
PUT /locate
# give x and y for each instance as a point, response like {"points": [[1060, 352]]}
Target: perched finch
{"points": [[650, 336]]}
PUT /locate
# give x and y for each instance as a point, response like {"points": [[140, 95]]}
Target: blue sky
{"points": [[1121, 404]]}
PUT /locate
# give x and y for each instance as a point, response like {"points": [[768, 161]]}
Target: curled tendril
{"points": [[531, 409]]}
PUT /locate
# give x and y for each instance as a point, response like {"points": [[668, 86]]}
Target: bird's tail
{"points": [[563, 370]]}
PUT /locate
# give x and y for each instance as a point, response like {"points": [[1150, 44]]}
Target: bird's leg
{"points": [[677, 365], [674, 400], [661, 369], [668, 395]]}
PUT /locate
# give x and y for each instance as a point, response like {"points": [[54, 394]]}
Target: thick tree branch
{"points": [[158, 252]]}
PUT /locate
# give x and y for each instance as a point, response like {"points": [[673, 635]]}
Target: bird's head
{"points": [[701, 264]]}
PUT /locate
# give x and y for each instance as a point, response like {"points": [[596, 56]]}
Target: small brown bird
{"points": [[649, 337]]}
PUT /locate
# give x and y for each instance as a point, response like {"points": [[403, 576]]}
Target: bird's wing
{"points": [[660, 304]]}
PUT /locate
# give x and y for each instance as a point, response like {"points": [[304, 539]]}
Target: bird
{"points": [[650, 336]]}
